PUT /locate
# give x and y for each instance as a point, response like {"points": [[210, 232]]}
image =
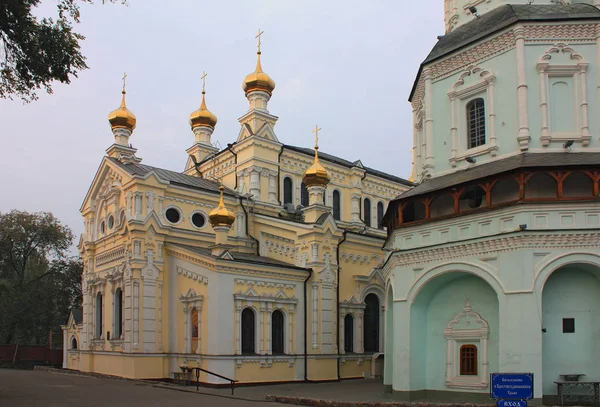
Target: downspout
{"points": [[279, 176], [247, 230], [339, 269], [310, 271]]}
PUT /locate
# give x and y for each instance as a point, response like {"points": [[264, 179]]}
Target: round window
{"points": [[198, 220], [172, 215], [111, 222], [103, 227]]}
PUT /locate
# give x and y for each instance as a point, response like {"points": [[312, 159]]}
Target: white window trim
{"points": [[178, 209], [283, 189], [455, 338], [341, 194], [459, 98], [287, 329], [190, 301], [357, 311], [114, 307], [206, 222], [577, 71]]}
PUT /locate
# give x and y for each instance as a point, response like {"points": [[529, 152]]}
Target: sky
{"points": [[347, 66]]}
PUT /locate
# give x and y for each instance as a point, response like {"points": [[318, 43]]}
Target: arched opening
{"points": [[303, 195], [571, 325], [413, 211], [248, 331], [337, 209], [541, 185], [380, 213], [277, 333], [195, 333], [442, 204], [118, 328], [74, 343], [367, 211], [288, 188], [371, 324], [348, 333], [578, 185], [476, 123], [472, 197], [505, 190], [99, 318]]}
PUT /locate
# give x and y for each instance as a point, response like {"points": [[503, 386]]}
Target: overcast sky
{"points": [[347, 66]]}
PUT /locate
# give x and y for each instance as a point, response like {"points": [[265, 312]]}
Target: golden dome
{"points": [[221, 216], [122, 118], [316, 174], [203, 117], [258, 80]]}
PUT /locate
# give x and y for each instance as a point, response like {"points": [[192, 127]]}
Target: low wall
{"points": [[30, 354]]}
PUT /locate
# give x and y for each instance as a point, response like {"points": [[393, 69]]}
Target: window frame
{"points": [[280, 339], [468, 363], [248, 336], [380, 215], [339, 204], [376, 331], [368, 223], [118, 319], [349, 333], [304, 195], [291, 190], [474, 136], [99, 317]]}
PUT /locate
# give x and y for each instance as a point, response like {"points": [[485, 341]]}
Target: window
{"points": [[172, 215], [337, 215], [73, 343], [118, 328], [198, 220], [468, 360], [195, 329], [122, 218], [568, 325], [248, 329], [380, 215], [98, 315], [303, 195], [348, 333], [367, 212], [103, 227], [288, 188], [277, 332], [111, 222], [371, 324], [476, 122]]}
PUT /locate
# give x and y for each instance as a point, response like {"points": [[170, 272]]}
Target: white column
{"points": [[492, 112], [65, 349], [453, 131], [290, 337], [450, 358], [342, 338], [160, 342], [187, 329], [238, 326], [382, 329], [485, 366], [315, 315], [360, 347], [429, 156], [136, 315], [356, 208], [261, 330], [255, 184], [199, 314], [523, 136], [269, 331], [544, 103], [585, 133], [273, 188]]}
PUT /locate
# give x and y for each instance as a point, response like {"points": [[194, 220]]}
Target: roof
{"points": [[77, 315], [174, 178], [348, 164], [241, 257], [500, 18], [524, 160]]}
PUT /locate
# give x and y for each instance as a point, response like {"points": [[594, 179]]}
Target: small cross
{"points": [[258, 36], [124, 78], [203, 77], [316, 131]]}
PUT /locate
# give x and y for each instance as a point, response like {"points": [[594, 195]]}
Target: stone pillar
{"points": [[65, 349], [136, 314], [261, 331], [523, 137], [269, 331], [273, 188], [356, 208], [315, 315], [290, 320], [255, 184], [187, 329], [429, 156], [199, 313]]}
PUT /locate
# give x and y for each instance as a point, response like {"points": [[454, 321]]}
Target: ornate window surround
{"points": [[577, 71], [485, 89], [190, 301], [455, 337]]}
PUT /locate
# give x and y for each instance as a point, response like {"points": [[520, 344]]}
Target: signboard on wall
{"points": [[511, 403], [515, 386]]}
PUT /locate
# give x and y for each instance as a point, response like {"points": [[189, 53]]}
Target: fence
{"points": [[30, 355]]}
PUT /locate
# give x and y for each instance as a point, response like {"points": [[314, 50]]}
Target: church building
{"points": [[260, 262], [493, 258]]}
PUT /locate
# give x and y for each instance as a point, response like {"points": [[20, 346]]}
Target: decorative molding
{"points": [[192, 275]]}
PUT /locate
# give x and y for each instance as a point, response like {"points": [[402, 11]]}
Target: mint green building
{"points": [[494, 256]]}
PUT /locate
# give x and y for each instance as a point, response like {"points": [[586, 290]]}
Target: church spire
{"points": [[202, 122], [122, 122], [258, 86]]}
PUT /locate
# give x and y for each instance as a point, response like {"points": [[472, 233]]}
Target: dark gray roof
{"points": [[174, 178], [77, 315], [525, 160], [348, 164], [500, 18], [242, 257]]}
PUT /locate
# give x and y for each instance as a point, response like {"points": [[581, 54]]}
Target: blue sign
{"points": [[512, 403], [516, 386]]}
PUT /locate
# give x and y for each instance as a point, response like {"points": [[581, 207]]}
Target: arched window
{"points": [[277, 332], [337, 215], [371, 324], [476, 122], [98, 315], [380, 215], [118, 313], [248, 331], [195, 332], [348, 333], [288, 188], [468, 360], [303, 195], [73, 343], [367, 211]]}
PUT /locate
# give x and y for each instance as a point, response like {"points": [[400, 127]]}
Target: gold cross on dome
{"points": [[258, 36], [316, 131], [124, 78], [203, 77]]}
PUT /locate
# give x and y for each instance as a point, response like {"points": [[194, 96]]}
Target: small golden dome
{"points": [[221, 216], [258, 80], [203, 117], [316, 174], [122, 118]]}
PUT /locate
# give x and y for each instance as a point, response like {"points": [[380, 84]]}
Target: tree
{"points": [[34, 53], [38, 282]]}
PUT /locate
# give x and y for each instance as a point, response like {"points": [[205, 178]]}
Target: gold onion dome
{"points": [[258, 80], [316, 174], [221, 216], [122, 118], [203, 116]]}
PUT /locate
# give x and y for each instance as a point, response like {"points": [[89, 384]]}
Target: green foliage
{"points": [[34, 53], [39, 284]]}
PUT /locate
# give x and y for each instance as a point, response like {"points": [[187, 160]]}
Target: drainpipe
{"points": [[279, 176], [310, 271], [247, 230], [337, 254]]}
